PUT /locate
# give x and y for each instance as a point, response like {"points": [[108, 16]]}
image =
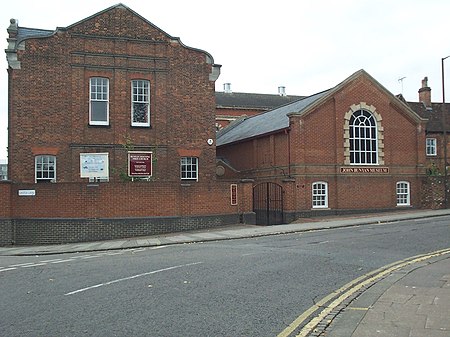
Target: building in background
{"points": [[234, 105], [3, 170]]}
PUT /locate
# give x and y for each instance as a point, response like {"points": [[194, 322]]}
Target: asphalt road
{"points": [[245, 287]]}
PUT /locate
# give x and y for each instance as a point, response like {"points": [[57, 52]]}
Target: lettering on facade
{"points": [[370, 170]]}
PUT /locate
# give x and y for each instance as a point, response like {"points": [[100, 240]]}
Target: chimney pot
{"points": [[227, 88], [282, 91], [425, 93]]}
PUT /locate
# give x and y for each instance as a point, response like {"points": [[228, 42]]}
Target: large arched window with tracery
{"points": [[363, 138]]}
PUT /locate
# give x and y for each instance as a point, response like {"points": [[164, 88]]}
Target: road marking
{"points": [[34, 265], [130, 278], [47, 261], [6, 269], [348, 290], [158, 247], [88, 257], [358, 309], [21, 265], [62, 261]]}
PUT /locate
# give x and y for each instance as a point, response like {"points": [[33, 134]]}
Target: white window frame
{"points": [[43, 167], [403, 193], [431, 146], [101, 94], [363, 138], [140, 94], [189, 168], [319, 192]]}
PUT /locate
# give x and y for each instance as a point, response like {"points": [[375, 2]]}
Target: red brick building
{"points": [[352, 148], [109, 97], [112, 133]]}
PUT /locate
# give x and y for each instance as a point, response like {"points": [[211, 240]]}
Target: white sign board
{"points": [[27, 193], [94, 165]]}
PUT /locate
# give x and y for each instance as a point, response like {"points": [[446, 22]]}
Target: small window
{"points": [[45, 168], [403, 193], [189, 168], [99, 101], [140, 103], [431, 146], [320, 195]]}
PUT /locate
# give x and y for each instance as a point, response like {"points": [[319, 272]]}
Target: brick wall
{"points": [[5, 214], [111, 200], [72, 212], [313, 150]]}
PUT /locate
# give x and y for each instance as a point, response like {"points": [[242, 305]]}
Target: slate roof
{"points": [[433, 114], [242, 100], [26, 33], [278, 119], [264, 123]]}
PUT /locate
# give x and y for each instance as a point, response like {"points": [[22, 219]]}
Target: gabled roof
{"points": [[278, 119], [264, 123], [242, 100], [27, 33], [121, 6]]}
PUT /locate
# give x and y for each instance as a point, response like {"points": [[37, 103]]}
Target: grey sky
{"points": [[306, 46]]}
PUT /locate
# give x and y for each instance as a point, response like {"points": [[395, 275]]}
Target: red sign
{"points": [[139, 164], [369, 170], [233, 190]]}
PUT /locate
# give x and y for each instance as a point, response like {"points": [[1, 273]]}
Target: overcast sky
{"points": [[306, 46]]}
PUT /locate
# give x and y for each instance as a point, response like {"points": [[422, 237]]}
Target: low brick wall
{"points": [[6, 232], [56, 231], [80, 212]]}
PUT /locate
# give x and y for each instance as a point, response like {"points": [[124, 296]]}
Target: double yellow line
{"points": [[337, 297]]}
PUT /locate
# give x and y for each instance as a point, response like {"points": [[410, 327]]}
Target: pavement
{"points": [[410, 300]]}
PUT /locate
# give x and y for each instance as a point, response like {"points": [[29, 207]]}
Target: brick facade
{"points": [[49, 114], [6, 228], [121, 46], [313, 148]]}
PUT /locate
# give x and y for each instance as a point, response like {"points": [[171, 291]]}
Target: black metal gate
{"points": [[268, 203]]}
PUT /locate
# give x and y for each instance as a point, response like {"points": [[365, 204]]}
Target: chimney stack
{"points": [[425, 93], [227, 88], [282, 91]]}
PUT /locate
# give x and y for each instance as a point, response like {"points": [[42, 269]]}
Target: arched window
{"points": [[403, 193], [320, 194], [363, 138]]}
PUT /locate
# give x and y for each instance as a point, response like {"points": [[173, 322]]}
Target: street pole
{"points": [[444, 128]]}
